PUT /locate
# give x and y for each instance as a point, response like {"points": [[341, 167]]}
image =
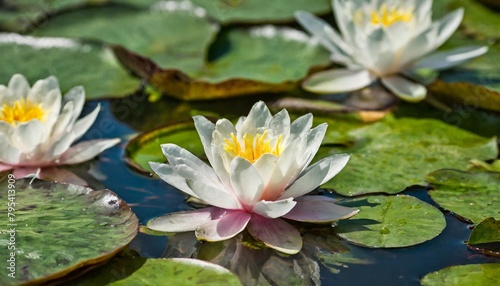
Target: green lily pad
{"points": [[464, 275], [176, 271], [249, 65], [145, 148], [60, 228], [389, 156], [247, 11], [72, 62], [485, 237], [393, 221], [153, 34], [473, 196]]}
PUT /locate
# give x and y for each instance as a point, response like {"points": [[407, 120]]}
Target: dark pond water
{"points": [[151, 197]]}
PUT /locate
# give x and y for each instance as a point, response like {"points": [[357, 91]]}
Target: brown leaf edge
{"points": [[178, 84]]}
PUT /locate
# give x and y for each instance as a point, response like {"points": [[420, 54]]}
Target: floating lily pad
{"points": [[249, 65], [480, 165], [473, 196], [141, 271], [72, 62], [389, 156], [172, 39], [393, 221], [245, 11], [145, 148], [485, 237], [60, 228], [464, 275]]}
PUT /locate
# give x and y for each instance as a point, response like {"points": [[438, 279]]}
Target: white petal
{"points": [[405, 89], [300, 126], [86, 150], [450, 58], [62, 145], [51, 102], [225, 127], [61, 125], [28, 135], [8, 153], [280, 123], [77, 96], [316, 175], [205, 129], [274, 209], [82, 125], [276, 234], [246, 181], [223, 228], [167, 174], [313, 142], [184, 220], [447, 25], [327, 36], [189, 166], [214, 196], [18, 87], [259, 116], [319, 209], [41, 88], [265, 166], [338, 81]]}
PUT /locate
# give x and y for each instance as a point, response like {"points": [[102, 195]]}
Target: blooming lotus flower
{"points": [[259, 175], [36, 133], [387, 40]]}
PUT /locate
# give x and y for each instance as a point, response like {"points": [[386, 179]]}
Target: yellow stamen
{"points": [[386, 17], [21, 110], [252, 147]]}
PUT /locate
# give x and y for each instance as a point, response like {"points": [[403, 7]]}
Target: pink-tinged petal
{"points": [[214, 196], [223, 228], [86, 150], [315, 175], [319, 209], [338, 81], [184, 220], [61, 175], [4, 167], [28, 172], [82, 125], [167, 174], [274, 209], [246, 181], [276, 234]]}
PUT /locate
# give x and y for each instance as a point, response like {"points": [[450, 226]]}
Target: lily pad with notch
{"points": [[60, 228], [390, 221]]}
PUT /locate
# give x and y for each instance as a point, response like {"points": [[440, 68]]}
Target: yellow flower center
{"points": [[252, 147], [21, 110], [387, 16]]}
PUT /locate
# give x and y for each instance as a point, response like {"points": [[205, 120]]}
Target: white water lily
{"points": [[37, 129], [387, 40], [259, 172]]}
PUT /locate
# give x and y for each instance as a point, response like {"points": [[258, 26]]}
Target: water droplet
{"points": [[384, 230]]}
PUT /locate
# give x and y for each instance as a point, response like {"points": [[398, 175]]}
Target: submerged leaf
{"points": [[175, 271], [473, 196], [393, 221], [59, 228], [464, 275]]}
